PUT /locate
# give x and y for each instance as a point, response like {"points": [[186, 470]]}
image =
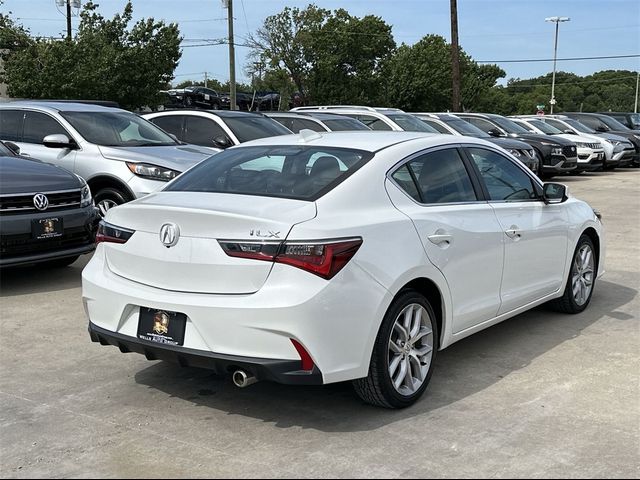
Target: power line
{"points": [[531, 60]]}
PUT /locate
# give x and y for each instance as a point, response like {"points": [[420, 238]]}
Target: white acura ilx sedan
{"points": [[324, 257]]}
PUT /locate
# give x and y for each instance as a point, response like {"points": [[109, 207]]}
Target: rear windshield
{"points": [[345, 124], [247, 128], [298, 172]]}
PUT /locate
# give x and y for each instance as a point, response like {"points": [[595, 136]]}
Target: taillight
{"points": [[323, 258], [111, 234]]}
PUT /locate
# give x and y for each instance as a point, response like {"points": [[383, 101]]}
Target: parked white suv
{"points": [[376, 118], [119, 154]]}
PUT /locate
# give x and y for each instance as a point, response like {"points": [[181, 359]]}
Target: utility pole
{"points": [[205, 79], [232, 57], [455, 58], [557, 21], [69, 20], [635, 109]]}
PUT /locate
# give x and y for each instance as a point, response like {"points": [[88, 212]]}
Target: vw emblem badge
{"points": [[169, 234], [40, 201]]}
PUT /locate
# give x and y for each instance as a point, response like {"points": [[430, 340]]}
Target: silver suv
{"points": [[119, 154]]}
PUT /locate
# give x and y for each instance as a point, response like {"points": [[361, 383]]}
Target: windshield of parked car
{"points": [[612, 123], [465, 128], [117, 129], [345, 124], [409, 123], [578, 126], [545, 127], [251, 127], [5, 151], [635, 119], [297, 172], [509, 125]]}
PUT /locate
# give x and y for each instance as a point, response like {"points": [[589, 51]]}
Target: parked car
{"points": [[318, 122], [269, 102], [590, 154], [606, 124], [193, 97], [556, 155], [629, 120], [47, 214], [119, 154], [244, 101], [618, 151], [451, 125], [221, 129], [266, 262], [375, 118]]}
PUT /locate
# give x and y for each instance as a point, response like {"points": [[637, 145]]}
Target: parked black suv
{"points": [[557, 155], [602, 123], [629, 120], [189, 97], [46, 213]]}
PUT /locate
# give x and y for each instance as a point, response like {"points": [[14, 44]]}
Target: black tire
{"points": [[377, 388], [109, 197], [61, 262], [567, 303], [540, 173], [215, 106]]}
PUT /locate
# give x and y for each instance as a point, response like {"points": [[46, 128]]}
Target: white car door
{"points": [[460, 234], [535, 234]]}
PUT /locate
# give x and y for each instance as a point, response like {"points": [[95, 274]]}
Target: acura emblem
{"points": [[169, 234], [40, 201]]}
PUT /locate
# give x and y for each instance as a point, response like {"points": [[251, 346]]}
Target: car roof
{"points": [[314, 115], [218, 113], [371, 141], [58, 106]]}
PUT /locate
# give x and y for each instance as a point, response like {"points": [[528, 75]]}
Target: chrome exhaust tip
{"points": [[242, 379]]}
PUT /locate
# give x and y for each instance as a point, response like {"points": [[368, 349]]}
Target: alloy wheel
{"points": [[582, 274], [410, 349], [105, 205]]}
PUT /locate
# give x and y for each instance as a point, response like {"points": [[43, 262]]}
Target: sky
{"points": [[490, 30]]}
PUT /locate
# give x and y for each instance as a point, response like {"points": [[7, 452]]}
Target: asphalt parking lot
{"points": [[541, 395]]}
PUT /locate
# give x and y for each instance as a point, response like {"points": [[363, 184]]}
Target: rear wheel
{"points": [[403, 355], [582, 277], [108, 198]]}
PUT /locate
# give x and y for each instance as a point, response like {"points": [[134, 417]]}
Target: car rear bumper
{"points": [[264, 369]]}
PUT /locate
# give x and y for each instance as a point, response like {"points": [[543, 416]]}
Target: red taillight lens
{"points": [[322, 258], [306, 360], [111, 234]]}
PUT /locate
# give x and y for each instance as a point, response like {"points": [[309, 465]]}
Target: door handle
{"points": [[441, 239], [513, 233]]}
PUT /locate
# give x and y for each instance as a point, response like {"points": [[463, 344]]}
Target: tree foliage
{"points": [[329, 57], [106, 60]]}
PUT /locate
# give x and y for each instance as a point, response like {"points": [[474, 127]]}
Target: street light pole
{"points": [[232, 56], [557, 21]]}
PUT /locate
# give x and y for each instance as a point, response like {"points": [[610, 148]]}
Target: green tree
{"points": [[106, 60]]}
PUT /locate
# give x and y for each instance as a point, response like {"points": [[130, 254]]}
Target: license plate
{"points": [[46, 228], [161, 326]]}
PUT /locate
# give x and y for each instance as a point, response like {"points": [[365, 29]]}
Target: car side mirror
{"points": [[58, 141], [13, 147], [569, 131], [222, 141], [554, 193], [602, 129], [494, 132]]}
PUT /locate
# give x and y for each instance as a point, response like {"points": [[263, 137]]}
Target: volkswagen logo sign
{"points": [[169, 234], [40, 201]]}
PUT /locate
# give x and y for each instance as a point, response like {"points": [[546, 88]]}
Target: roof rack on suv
{"points": [[343, 107]]}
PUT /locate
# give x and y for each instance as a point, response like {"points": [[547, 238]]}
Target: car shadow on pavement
{"points": [[465, 368], [41, 278]]}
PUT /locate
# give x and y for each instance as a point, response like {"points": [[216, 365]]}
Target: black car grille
{"points": [[24, 244], [569, 151], [16, 204]]}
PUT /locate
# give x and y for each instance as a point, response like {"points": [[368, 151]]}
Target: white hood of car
{"points": [[175, 157]]}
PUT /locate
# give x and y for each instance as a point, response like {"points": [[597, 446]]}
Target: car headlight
{"points": [[153, 172], [582, 145], [637, 136], [85, 199], [515, 153], [612, 142], [556, 151]]}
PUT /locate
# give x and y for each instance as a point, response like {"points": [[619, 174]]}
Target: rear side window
{"points": [[298, 172], [437, 177], [10, 125], [39, 125], [504, 180], [170, 124]]}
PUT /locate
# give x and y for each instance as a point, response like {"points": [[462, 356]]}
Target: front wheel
{"points": [[582, 278], [403, 355], [108, 198]]}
